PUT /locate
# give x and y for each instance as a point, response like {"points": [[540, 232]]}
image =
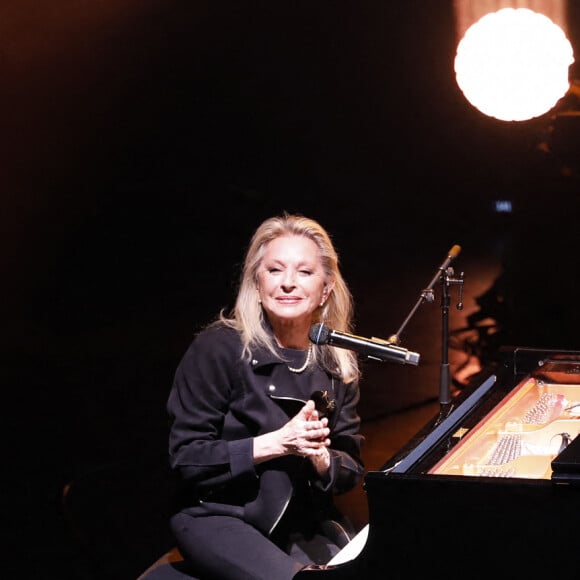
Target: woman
{"points": [[264, 426]]}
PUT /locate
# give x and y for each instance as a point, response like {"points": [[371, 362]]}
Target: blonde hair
{"points": [[247, 315]]}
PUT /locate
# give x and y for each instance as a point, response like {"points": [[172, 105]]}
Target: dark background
{"points": [[144, 141]]}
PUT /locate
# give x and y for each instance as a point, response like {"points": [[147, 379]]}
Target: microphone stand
{"points": [[445, 274], [444, 375]]}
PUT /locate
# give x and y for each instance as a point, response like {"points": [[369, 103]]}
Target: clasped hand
{"points": [[306, 434]]}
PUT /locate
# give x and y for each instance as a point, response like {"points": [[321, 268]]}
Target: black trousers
{"points": [[227, 548]]}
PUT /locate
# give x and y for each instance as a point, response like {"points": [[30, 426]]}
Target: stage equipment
{"points": [[445, 275], [513, 56], [493, 488]]}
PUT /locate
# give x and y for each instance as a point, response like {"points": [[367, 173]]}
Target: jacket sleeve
{"points": [[346, 465], [197, 405]]}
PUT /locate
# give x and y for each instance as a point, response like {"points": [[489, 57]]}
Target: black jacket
{"points": [[219, 402]]}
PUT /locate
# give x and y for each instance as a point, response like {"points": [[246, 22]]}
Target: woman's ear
{"points": [[326, 292], [328, 286]]}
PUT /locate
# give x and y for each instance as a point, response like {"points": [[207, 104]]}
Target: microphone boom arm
{"points": [[445, 275], [427, 294]]}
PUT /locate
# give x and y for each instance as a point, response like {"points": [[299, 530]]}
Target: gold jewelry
{"points": [[322, 402], [306, 363]]}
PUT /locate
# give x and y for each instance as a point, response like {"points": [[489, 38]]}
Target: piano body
{"points": [[490, 487]]}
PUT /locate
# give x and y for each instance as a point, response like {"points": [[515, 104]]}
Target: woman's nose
{"points": [[288, 281]]}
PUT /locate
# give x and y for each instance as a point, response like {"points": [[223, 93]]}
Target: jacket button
{"points": [[272, 388], [254, 362]]}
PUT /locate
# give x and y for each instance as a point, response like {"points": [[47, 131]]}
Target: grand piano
{"points": [[490, 486]]}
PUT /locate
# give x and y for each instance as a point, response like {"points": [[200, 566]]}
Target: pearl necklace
{"points": [[306, 363]]}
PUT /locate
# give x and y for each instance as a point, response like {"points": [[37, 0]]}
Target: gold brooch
{"points": [[323, 403]]}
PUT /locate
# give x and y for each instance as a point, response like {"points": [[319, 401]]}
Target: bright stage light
{"points": [[513, 64]]}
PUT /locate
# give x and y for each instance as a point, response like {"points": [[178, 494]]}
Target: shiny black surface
{"points": [[421, 521]]}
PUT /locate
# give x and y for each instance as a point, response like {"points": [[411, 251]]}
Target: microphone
{"points": [[451, 255], [372, 348], [454, 251]]}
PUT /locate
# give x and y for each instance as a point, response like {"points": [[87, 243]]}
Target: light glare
{"points": [[513, 64]]}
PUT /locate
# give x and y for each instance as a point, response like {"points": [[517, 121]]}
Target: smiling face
{"points": [[292, 285]]}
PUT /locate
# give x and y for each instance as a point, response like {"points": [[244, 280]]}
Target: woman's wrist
{"points": [[267, 446], [321, 461]]}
